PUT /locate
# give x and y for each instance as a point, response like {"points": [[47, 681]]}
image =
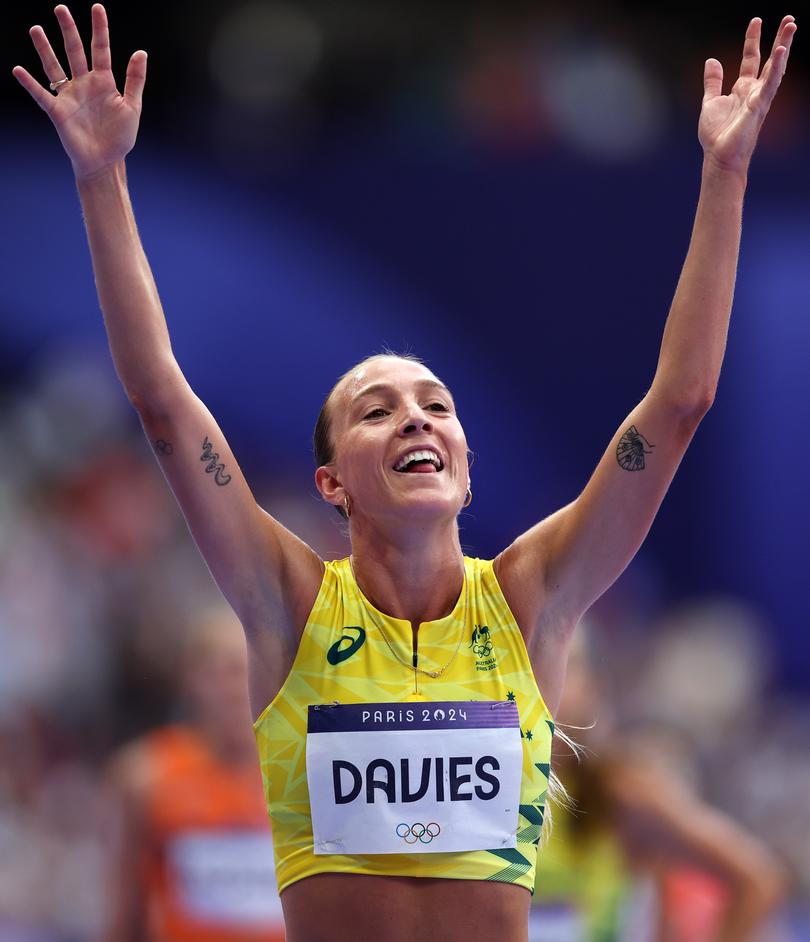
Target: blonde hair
{"points": [[557, 795]]}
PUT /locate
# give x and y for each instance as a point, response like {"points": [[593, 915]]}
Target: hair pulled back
{"points": [[322, 445]]}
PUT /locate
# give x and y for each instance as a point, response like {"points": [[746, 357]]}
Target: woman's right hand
{"points": [[96, 124]]}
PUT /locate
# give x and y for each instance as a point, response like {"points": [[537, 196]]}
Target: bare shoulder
{"points": [[521, 573], [266, 573], [301, 572], [274, 627]]}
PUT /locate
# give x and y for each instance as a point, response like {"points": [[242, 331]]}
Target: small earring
{"points": [[468, 498], [347, 506]]}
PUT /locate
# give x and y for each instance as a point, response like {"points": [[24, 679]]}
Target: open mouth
{"points": [[424, 461]]}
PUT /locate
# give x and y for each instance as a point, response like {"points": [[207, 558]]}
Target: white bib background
{"points": [[227, 876], [556, 923], [393, 778]]}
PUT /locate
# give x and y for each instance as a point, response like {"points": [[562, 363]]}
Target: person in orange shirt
{"points": [[192, 857]]}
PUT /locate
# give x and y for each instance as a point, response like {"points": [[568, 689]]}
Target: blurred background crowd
{"points": [[503, 189]]}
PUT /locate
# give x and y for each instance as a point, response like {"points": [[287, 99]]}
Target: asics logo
{"points": [[340, 651]]}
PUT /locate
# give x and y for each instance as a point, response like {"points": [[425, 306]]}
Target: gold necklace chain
{"points": [[393, 650], [416, 667]]}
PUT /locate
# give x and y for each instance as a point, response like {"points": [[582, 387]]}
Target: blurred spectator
{"points": [[641, 857], [193, 856], [52, 808]]}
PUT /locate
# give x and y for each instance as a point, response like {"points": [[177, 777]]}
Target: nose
{"points": [[415, 421]]}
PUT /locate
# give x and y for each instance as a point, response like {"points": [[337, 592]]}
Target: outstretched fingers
{"points": [[136, 78], [712, 79], [100, 44], [777, 63], [73, 41], [772, 76], [51, 65], [784, 35], [43, 98], [749, 67]]}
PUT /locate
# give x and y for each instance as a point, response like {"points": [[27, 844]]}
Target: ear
{"points": [[329, 486]]}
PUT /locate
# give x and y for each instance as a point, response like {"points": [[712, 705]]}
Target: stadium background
{"points": [[506, 190]]}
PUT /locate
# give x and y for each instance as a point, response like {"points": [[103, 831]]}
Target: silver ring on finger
{"points": [[55, 85]]}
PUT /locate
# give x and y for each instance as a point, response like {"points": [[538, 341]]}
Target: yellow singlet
{"points": [[346, 655]]}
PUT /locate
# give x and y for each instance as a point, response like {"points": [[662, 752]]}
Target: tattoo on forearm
{"points": [[212, 457], [163, 447], [630, 451]]}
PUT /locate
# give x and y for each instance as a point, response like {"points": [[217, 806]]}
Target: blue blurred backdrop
{"points": [[505, 190]]}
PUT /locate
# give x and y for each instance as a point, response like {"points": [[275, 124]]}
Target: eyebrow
{"points": [[387, 387]]}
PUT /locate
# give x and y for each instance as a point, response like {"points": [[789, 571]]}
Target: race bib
{"points": [[556, 922], [393, 778], [227, 877]]}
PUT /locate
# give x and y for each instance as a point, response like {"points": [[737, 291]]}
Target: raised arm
{"points": [[553, 573], [267, 574]]}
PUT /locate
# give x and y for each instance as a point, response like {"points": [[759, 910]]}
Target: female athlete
{"points": [[403, 697]]}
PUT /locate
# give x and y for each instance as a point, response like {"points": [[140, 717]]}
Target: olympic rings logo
{"points": [[480, 641], [424, 833]]}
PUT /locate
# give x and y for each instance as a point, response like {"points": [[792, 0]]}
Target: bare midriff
{"points": [[347, 907]]}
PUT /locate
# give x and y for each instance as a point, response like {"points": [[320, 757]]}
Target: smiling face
{"points": [[399, 447]]}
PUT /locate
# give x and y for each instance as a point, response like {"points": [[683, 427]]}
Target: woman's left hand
{"points": [[729, 124]]}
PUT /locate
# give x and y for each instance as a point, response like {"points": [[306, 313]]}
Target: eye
{"points": [[439, 406], [376, 413]]}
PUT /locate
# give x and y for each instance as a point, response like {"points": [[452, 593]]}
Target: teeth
{"points": [[431, 456]]}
